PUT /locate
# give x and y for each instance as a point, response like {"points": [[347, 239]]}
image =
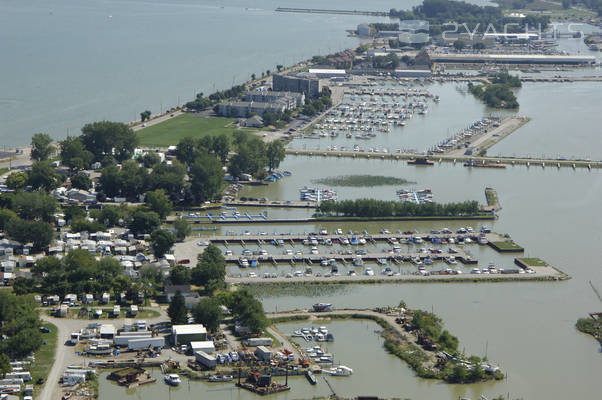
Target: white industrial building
{"points": [[184, 334]]}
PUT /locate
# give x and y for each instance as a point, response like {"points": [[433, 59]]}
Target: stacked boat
{"points": [[415, 196], [316, 194]]}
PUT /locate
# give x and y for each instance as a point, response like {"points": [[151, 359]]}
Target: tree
{"points": [[5, 366], [41, 147], [221, 147], [187, 150], [144, 221], [179, 275], [5, 217], [478, 46], [74, 154], [275, 153], [109, 138], [210, 271], [43, 176], [170, 178], [279, 67], [182, 228], [22, 343], [459, 373], [177, 309], [247, 310], [253, 77], [109, 215], [162, 241], [145, 115], [81, 181], [108, 269], [35, 205], [17, 180], [206, 178], [23, 285], [73, 212], [250, 158], [134, 179], [459, 44], [150, 159], [110, 181], [37, 232], [159, 203], [209, 313], [476, 373]]}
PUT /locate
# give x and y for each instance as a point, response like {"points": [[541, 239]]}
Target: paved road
{"points": [[19, 160], [541, 273], [157, 120], [64, 356]]}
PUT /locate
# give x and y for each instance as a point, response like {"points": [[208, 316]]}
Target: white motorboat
{"points": [[220, 378], [172, 379], [341, 370]]}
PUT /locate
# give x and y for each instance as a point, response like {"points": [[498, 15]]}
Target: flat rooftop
{"points": [[514, 58], [193, 329]]}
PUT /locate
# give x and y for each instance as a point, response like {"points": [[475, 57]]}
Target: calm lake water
{"points": [[563, 120], [69, 62]]}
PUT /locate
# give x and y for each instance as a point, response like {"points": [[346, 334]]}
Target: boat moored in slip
{"points": [[172, 379], [310, 377], [220, 378], [340, 370]]}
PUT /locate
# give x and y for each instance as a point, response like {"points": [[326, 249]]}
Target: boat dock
{"points": [[394, 258], [484, 140], [529, 162], [337, 12], [388, 92], [273, 203], [291, 239]]}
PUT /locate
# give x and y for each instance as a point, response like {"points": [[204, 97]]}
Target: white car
{"points": [[202, 243]]}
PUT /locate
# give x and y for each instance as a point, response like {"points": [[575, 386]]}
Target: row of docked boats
{"points": [[320, 334], [463, 138], [415, 196], [277, 175], [317, 194]]}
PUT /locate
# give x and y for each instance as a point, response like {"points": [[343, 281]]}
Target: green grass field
{"points": [[45, 355], [533, 262], [170, 132], [507, 246]]}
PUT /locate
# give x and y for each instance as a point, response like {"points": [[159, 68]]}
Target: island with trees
{"points": [[498, 93]]}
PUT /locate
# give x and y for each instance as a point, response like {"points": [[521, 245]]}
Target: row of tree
{"points": [[26, 217], [494, 95], [245, 309], [202, 103], [19, 327], [319, 104], [105, 141], [382, 208]]}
